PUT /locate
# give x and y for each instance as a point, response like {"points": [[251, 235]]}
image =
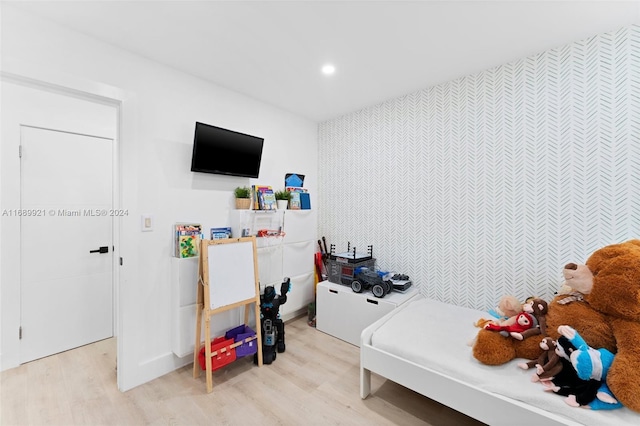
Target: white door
{"points": [[66, 241]]}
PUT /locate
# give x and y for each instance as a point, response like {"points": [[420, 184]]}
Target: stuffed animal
{"points": [[523, 321], [504, 314], [604, 308], [547, 365], [567, 383], [538, 308], [591, 364]]}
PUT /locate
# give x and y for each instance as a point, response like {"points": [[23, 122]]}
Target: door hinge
{"points": [[120, 261], [20, 333], [20, 151]]}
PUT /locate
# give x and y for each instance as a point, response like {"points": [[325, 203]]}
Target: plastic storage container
{"points": [[239, 334], [220, 359]]}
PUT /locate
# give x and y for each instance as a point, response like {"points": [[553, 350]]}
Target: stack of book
{"points": [[299, 198], [187, 239], [263, 197]]}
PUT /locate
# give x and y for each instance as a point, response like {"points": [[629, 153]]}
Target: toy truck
{"points": [[366, 279]]}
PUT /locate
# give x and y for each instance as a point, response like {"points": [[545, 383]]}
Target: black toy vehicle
{"points": [[400, 282], [365, 278]]}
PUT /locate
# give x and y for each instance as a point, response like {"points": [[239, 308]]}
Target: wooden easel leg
{"points": [[198, 342], [258, 330], [207, 352], [199, 308]]}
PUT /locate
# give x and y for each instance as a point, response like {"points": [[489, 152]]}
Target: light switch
{"points": [[147, 223]]}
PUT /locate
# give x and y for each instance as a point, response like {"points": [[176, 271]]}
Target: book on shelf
{"points": [[263, 197], [219, 233], [187, 239], [295, 189], [294, 201], [305, 201], [296, 192]]}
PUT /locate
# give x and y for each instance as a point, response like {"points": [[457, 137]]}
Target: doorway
{"points": [[66, 218]]}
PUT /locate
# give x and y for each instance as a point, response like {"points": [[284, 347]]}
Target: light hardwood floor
{"points": [[315, 382]]}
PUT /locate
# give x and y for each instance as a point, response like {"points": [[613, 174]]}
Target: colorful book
{"points": [[296, 196], [256, 195], [189, 245], [268, 199], [294, 202], [218, 233], [187, 239]]}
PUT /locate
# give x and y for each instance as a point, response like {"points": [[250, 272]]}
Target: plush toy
{"points": [[504, 314], [547, 365], [538, 308], [603, 307], [523, 321], [567, 383], [591, 364]]}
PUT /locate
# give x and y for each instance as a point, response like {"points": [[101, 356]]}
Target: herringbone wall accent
{"points": [[489, 184]]}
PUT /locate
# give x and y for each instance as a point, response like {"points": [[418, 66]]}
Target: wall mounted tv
{"points": [[225, 152]]}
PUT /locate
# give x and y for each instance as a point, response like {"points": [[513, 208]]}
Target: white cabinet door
{"points": [[270, 266], [344, 314], [301, 294], [300, 225], [298, 258]]}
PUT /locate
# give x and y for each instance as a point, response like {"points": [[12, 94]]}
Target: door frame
{"points": [[34, 76]]}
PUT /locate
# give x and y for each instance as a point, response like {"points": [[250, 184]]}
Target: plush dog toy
{"points": [[603, 307]]}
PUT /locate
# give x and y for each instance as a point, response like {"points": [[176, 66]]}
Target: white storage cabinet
{"points": [[344, 314]]}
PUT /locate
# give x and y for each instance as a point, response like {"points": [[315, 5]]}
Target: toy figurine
{"points": [[271, 325]]}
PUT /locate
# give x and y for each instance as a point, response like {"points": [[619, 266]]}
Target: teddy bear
{"points": [[602, 304]]}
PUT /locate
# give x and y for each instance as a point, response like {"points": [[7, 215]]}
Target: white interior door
{"points": [[66, 201]]}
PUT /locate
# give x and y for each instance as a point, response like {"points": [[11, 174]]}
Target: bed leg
{"points": [[365, 383]]}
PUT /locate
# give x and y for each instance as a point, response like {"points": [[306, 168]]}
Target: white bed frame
{"points": [[487, 407]]}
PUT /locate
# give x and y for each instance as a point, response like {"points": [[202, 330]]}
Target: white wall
{"points": [[160, 108], [489, 184]]}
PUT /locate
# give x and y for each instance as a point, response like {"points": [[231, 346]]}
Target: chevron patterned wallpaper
{"points": [[489, 184]]}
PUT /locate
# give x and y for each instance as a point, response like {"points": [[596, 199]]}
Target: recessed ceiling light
{"points": [[328, 69]]}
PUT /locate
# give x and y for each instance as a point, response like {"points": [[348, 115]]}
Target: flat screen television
{"points": [[225, 152]]}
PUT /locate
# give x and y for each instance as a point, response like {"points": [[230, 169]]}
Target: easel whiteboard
{"points": [[227, 279], [232, 276]]}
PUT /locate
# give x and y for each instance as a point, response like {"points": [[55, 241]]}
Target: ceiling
{"points": [[273, 50]]}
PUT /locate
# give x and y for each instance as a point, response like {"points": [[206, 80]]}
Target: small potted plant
{"points": [[243, 197], [282, 199]]}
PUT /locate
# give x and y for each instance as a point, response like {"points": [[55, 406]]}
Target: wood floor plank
{"points": [[315, 382]]}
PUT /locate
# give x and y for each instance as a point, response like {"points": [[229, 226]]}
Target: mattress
{"points": [[437, 335]]}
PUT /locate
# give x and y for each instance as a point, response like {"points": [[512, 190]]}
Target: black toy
{"points": [[271, 325]]}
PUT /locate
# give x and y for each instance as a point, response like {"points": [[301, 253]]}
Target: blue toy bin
{"points": [[240, 333]]}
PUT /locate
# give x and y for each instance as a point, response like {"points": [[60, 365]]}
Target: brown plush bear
{"points": [[603, 305]]}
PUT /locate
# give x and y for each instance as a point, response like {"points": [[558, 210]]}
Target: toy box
{"points": [[220, 359], [240, 333]]}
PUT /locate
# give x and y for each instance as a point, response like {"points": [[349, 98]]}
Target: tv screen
{"points": [[225, 152]]}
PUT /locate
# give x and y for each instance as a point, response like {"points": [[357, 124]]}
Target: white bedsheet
{"points": [[436, 335]]}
